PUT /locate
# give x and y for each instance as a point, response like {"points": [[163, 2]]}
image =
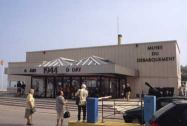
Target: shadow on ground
{"points": [[12, 124]]}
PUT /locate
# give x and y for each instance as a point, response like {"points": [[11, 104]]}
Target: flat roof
{"points": [[128, 44]]}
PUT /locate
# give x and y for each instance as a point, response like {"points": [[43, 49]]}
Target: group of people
{"points": [[82, 94], [183, 90], [61, 102], [127, 91], [20, 88]]}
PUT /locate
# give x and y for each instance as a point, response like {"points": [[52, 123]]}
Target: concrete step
{"points": [[44, 103], [49, 103]]}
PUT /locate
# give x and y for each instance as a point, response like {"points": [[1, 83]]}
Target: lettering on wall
{"points": [[157, 59], [155, 55], [50, 70], [73, 69], [31, 70]]}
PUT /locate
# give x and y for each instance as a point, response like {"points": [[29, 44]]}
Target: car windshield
{"points": [[163, 109]]}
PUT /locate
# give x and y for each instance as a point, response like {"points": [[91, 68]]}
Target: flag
{"points": [[1, 62]]}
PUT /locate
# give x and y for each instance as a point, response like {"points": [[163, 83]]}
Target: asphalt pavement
{"points": [[14, 116], [12, 112]]}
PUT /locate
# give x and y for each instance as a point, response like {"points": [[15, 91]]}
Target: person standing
{"points": [[185, 90], [23, 88], [124, 92], [128, 91], [18, 88], [30, 106], [82, 94], [60, 102]]}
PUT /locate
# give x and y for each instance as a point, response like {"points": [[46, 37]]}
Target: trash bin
{"points": [[149, 107], [92, 110]]}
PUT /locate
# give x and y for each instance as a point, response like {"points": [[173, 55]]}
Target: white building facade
{"points": [[104, 69]]}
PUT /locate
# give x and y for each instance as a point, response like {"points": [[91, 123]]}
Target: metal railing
{"points": [[114, 104], [102, 99]]}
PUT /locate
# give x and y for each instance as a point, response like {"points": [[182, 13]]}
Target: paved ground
{"points": [[14, 116], [11, 115]]}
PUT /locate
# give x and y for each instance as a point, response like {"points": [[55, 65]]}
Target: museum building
{"points": [[104, 69]]}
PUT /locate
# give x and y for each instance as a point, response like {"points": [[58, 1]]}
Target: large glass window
{"points": [[114, 87], [122, 87], [66, 87], [59, 84], [75, 85], [105, 88], [91, 84], [39, 87], [50, 87], [12, 84]]}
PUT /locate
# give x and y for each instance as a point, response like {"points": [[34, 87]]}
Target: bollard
{"points": [[92, 110], [149, 108]]}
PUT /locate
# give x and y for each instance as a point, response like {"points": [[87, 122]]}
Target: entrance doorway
{"points": [[98, 86], [39, 87]]}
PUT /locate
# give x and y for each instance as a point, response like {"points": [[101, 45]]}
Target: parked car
{"points": [[136, 115], [173, 114]]}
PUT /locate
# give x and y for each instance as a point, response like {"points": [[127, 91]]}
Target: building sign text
{"points": [[73, 69], [50, 70], [31, 70], [155, 55]]}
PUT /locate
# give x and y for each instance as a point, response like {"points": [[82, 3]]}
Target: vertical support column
{"points": [[100, 81], [31, 82], [110, 86], [80, 82], [118, 88], [45, 83], [70, 88], [55, 86], [62, 86]]}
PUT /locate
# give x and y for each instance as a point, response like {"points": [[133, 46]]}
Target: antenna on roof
{"points": [[117, 25], [119, 36]]}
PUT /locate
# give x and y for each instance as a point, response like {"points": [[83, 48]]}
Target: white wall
{"points": [[162, 73]]}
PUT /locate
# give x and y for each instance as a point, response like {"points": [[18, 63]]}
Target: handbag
{"points": [[33, 110], [67, 114], [77, 100]]}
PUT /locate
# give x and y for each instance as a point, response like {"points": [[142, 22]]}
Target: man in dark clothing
{"points": [[23, 88], [18, 88], [128, 91]]}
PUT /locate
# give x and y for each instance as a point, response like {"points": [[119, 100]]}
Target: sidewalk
{"points": [[121, 105]]}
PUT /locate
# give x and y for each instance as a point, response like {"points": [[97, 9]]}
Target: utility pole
{"points": [[2, 64]]}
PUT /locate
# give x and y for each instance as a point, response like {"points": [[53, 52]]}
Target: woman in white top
{"points": [[30, 105], [60, 102]]}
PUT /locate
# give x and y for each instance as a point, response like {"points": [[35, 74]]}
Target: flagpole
{"points": [[1, 63], [2, 75]]}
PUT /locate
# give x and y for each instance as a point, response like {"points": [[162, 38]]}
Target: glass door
{"points": [[105, 88], [122, 87], [38, 86], [59, 84], [50, 87], [67, 87], [114, 87], [90, 85], [75, 86]]}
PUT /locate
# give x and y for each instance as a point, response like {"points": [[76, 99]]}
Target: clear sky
{"points": [[33, 25]]}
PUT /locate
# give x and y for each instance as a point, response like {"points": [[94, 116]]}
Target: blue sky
{"points": [[32, 25]]}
